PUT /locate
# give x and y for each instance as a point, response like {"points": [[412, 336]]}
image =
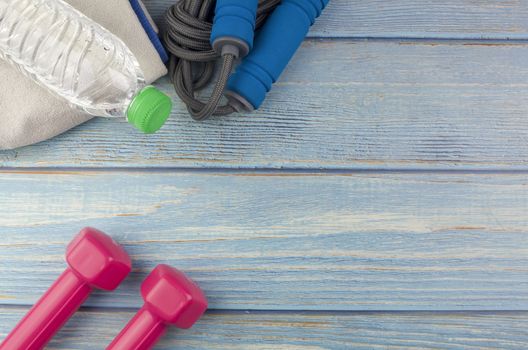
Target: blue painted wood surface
{"points": [[342, 104], [282, 241], [386, 175], [446, 19], [292, 330]]}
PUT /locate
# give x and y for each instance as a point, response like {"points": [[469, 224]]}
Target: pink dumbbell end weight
{"points": [[171, 298], [95, 262]]}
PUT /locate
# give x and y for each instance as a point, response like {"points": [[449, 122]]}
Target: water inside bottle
{"points": [[71, 55]]}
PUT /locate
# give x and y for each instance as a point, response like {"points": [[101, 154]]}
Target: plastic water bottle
{"points": [[79, 60]]}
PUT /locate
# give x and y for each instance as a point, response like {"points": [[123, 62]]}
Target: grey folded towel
{"points": [[30, 114]]}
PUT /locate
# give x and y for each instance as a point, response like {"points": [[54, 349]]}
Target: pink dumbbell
{"points": [[170, 299], [95, 261]]}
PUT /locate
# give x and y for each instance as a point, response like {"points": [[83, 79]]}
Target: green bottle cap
{"points": [[149, 110]]}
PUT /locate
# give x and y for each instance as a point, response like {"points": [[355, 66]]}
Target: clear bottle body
{"points": [[70, 54]]}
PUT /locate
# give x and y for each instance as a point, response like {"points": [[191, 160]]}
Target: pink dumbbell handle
{"points": [[141, 333], [49, 314]]}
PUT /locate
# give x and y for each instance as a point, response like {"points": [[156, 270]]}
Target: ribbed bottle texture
{"points": [[71, 55]]}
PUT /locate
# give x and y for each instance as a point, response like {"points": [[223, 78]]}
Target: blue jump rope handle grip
{"points": [[275, 45], [234, 24]]}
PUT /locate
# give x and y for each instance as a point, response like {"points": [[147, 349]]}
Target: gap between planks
{"points": [[255, 171]]}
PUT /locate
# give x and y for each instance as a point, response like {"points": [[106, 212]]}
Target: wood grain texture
{"points": [[464, 19], [362, 241], [238, 330], [341, 104], [325, 242]]}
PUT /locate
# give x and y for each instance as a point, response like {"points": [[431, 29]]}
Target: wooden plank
{"points": [[412, 18], [249, 330], [403, 105], [365, 241]]}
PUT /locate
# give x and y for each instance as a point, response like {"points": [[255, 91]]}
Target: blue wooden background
{"points": [[379, 199]]}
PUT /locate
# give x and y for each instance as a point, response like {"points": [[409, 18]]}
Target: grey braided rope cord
{"points": [[193, 60]]}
